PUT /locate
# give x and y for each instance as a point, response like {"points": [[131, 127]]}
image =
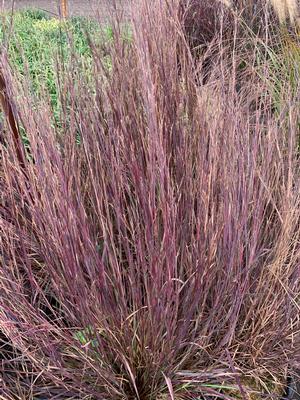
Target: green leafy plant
{"points": [[84, 337]]}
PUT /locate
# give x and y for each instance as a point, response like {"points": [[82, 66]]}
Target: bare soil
{"points": [[97, 8]]}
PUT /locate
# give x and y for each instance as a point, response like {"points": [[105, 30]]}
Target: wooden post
{"points": [[9, 115], [64, 8]]}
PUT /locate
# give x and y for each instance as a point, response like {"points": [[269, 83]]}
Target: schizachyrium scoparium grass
{"points": [[158, 256]]}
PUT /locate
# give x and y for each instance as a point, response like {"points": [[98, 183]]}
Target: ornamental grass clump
{"points": [[157, 257]]}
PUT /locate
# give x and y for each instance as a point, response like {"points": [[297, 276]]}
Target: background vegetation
{"points": [[39, 46]]}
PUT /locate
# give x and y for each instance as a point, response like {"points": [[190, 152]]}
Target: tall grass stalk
{"points": [[158, 256]]}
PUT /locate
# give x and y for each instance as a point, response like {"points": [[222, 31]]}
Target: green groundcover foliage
{"points": [[36, 43]]}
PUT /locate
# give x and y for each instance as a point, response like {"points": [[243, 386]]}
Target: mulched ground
{"points": [[76, 7]]}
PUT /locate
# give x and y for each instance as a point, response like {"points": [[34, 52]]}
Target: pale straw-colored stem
{"points": [[286, 9]]}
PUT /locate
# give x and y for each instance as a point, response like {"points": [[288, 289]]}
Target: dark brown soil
{"points": [[101, 8]]}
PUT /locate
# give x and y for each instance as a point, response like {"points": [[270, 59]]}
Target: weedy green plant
{"points": [[157, 257], [36, 44], [40, 47]]}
